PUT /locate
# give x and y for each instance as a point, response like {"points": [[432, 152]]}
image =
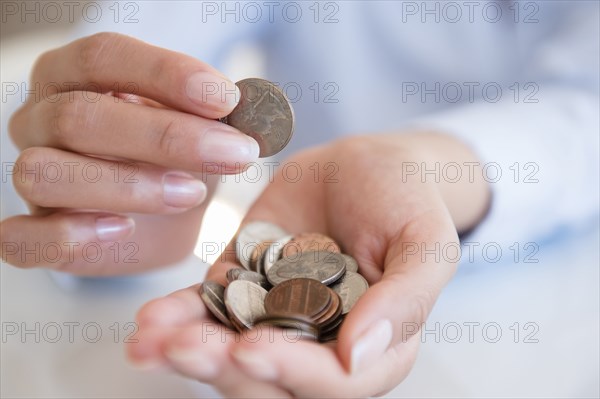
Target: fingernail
{"points": [[183, 191], [228, 146], [195, 363], [255, 364], [114, 228], [204, 88], [371, 345]]}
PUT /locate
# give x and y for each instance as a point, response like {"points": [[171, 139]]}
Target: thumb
{"points": [[418, 264]]}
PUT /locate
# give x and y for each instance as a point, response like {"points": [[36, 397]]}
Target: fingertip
{"points": [[209, 90], [162, 312], [143, 351], [224, 149], [183, 191]]}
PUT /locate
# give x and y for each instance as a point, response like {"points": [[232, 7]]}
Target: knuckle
{"points": [[134, 196], [420, 305], [16, 130], [42, 66], [168, 136], [63, 229], [91, 50], [28, 182], [69, 117]]}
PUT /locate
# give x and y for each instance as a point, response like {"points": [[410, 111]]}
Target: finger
{"points": [[62, 241], [395, 308], [99, 124], [176, 309], [160, 318], [111, 61], [174, 329], [309, 369], [58, 179], [201, 351]]}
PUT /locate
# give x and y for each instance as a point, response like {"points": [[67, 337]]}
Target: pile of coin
{"points": [[301, 283], [263, 113]]}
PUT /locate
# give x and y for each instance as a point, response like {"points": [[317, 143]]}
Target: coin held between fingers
{"points": [[263, 113]]}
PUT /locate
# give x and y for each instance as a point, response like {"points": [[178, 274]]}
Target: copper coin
{"points": [[263, 113], [334, 311], [297, 321], [309, 242], [301, 296]]}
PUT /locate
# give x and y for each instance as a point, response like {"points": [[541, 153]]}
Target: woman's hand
{"points": [[116, 126], [401, 228]]}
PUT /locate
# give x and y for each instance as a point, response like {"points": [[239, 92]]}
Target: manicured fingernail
{"points": [[371, 345], [255, 364], [183, 191], [228, 146], [196, 363], [114, 228], [204, 88]]}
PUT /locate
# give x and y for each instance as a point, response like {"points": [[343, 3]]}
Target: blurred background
{"points": [[507, 329]]}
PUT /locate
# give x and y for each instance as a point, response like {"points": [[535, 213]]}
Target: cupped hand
{"points": [[114, 127], [385, 218]]}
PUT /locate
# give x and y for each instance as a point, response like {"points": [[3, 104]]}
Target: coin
{"points": [[351, 263], [251, 235], [273, 253], [263, 113], [244, 301], [298, 296], [323, 266], [307, 242], [233, 274], [333, 312], [294, 327], [253, 277], [212, 295], [257, 256], [350, 287]]}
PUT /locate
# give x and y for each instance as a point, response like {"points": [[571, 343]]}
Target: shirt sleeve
{"points": [[539, 147]]}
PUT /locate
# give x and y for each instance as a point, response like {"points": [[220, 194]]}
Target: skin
{"points": [[158, 131], [374, 210]]}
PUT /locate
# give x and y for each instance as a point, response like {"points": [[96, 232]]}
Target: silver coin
{"points": [[274, 253], [324, 266], [244, 301], [263, 113], [350, 287], [351, 263], [254, 277], [251, 235], [212, 295], [233, 274]]}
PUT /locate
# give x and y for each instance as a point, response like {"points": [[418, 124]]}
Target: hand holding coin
{"points": [[264, 114], [369, 215]]}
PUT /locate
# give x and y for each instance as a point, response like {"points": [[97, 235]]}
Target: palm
{"points": [[370, 212]]}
